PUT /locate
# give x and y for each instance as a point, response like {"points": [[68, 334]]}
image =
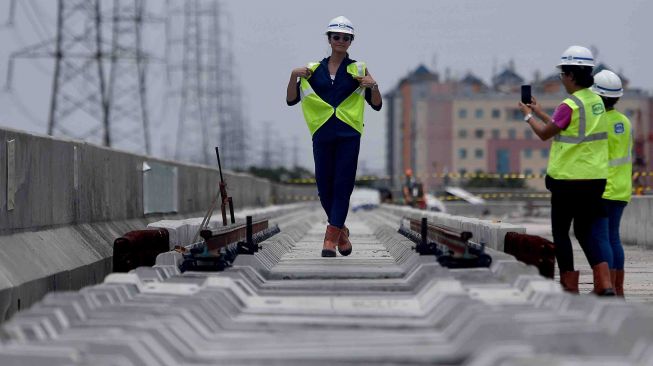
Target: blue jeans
{"points": [[615, 211], [601, 239], [335, 151], [605, 231]]}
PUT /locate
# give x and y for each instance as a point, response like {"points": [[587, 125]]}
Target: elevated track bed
{"points": [[285, 305]]}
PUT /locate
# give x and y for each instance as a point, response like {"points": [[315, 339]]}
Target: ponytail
{"points": [[582, 75]]}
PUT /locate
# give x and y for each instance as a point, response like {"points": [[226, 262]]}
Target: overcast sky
{"points": [[393, 37]]}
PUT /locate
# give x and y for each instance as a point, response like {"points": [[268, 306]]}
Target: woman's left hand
{"points": [[366, 81]]}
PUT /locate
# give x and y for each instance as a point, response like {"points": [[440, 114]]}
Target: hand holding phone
{"points": [[526, 96]]}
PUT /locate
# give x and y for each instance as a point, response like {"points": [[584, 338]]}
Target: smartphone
{"points": [[526, 94]]}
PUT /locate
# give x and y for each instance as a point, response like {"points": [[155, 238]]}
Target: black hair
{"points": [[582, 75], [609, 102], [329, 35]]}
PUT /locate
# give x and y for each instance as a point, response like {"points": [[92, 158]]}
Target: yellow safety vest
{"points": [[317, 111], [620, 166], [581, 150]]}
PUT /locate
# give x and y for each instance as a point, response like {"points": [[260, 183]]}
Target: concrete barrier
{"points": [[63, 202], [637, 222], [489, 232], [500, 208]]}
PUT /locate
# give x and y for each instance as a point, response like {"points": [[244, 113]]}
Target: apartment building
{"points": [[442, 127]]}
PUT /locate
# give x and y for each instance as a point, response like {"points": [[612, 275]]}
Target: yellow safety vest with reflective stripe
{"points": [[620, 166], [581, 150], [317, 111]]}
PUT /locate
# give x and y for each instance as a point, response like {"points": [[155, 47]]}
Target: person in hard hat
{"points": [[407, 188], [413, 191], [333, 93], [619, 186], [577, 169]]}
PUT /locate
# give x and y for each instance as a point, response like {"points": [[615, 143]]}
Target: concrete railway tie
{"points": [[286, 305]]}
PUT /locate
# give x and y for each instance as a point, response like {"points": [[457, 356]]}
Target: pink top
{"points": [[562, 116]]}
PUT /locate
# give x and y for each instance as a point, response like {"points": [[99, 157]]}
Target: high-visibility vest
{"points": [[581, 150], [620, 163], [317, 111]]}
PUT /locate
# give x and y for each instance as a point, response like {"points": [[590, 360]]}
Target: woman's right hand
{"points": [[537, 109], [303, 72]]}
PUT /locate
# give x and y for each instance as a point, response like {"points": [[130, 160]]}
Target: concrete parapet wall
{"points": [[292, 193], [63, 182], [499, 208], [491, 233], [64, 202], [637, 222]]}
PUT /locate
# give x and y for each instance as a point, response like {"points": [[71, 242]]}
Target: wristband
{"points": [[528, 116]]}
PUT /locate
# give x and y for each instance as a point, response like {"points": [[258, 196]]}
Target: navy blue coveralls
{"points": [[335, 144]]}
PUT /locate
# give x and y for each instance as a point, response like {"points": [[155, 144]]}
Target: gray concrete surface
{"points": [[636, 228], [637, 222], [488, 231], [285, 305], [638, 284], [63, 182], [64, 202], [494, 208]]}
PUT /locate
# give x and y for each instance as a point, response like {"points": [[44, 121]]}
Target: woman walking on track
{"points": [[577, 170], [333, 93]]}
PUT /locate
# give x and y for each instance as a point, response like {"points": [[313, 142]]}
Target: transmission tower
{"points": [[78, 104], [10, 15], [83, 104], [128, 113], [192, 129], [201, 73], [266, 157], [232, 122], [78, 60]]}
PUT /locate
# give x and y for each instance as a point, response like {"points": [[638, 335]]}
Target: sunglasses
{"points": [[337, 37]]}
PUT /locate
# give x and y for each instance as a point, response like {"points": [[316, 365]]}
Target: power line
{"points": [[35, 21], [92, 99], [41, 15]]}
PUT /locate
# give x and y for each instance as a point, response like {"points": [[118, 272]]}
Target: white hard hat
{"points": [[340, 25], [577, 56], [607, 84]]}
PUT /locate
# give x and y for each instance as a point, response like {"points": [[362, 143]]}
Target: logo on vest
{"points": [[619, 128], [598, 108]]}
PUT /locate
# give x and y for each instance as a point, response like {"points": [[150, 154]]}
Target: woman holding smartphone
{"points": [[333, 93], [577, 169]]}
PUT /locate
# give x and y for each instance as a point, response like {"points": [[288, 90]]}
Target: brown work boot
{"points": [[331, 241], [569, 281], [618, 282], [344, 245], [602, 280]]}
